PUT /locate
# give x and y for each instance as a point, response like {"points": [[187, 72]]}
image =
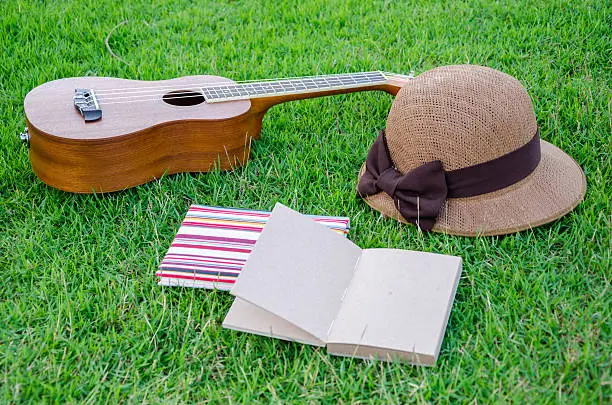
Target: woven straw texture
{"points": [[465, 115]]}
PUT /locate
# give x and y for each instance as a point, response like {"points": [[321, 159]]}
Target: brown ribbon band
{"points": [[420, 194]]}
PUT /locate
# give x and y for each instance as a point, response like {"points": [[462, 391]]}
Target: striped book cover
{"points": [[213, 243]]}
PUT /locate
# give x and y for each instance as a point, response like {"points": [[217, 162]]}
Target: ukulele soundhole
{"points": [[183, 98]]}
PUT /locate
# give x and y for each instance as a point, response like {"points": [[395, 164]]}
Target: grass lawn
{"points": [[81, 316]]}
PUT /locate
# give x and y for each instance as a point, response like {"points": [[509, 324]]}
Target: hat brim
{"points": [[552, 190]]}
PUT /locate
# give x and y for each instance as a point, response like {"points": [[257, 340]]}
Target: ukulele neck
{"points": [[264, 94]]}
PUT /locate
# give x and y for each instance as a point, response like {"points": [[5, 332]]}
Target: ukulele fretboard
{"points": [[240, 91]]}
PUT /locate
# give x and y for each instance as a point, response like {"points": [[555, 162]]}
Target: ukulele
{"points": [[100, 134]]}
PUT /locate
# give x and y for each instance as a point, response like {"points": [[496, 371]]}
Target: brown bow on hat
{"points": [[462, 154]]}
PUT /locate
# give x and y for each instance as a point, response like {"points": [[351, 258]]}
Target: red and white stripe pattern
{"points": [[213, 244]]}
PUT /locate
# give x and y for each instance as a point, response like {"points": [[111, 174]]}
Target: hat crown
{"points": [[461, 115]]}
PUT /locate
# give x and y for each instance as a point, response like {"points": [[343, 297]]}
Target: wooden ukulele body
{"points": [[136, 142]]}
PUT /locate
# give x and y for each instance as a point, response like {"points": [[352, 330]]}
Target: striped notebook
{"points": [[213, 244]]}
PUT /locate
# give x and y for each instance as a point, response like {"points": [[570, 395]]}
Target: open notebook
{"points": [[305, 283], [213, 243]]}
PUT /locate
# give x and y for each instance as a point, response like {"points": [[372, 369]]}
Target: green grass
{"points": [[81, 316]]}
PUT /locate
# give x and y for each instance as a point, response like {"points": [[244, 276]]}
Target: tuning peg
{"points": [[25, 136]]}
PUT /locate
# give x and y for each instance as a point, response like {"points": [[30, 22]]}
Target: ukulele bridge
{"points": [[86, 102]]}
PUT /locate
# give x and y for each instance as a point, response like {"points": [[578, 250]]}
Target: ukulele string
{"points": [[103, 103], [224, 82], [157, 96], [196, 91], [196, 94], [135, 96], [221, 84]]}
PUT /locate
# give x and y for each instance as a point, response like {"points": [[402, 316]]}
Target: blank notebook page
{"points": [[398, 300], [247, 317], [298, 270]]}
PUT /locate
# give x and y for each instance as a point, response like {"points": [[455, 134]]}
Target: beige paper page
{"points": [[246, 317], [398, 300], [298, 271]]}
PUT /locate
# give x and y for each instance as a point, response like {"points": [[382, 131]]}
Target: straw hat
{"points": [[461, 154]]}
